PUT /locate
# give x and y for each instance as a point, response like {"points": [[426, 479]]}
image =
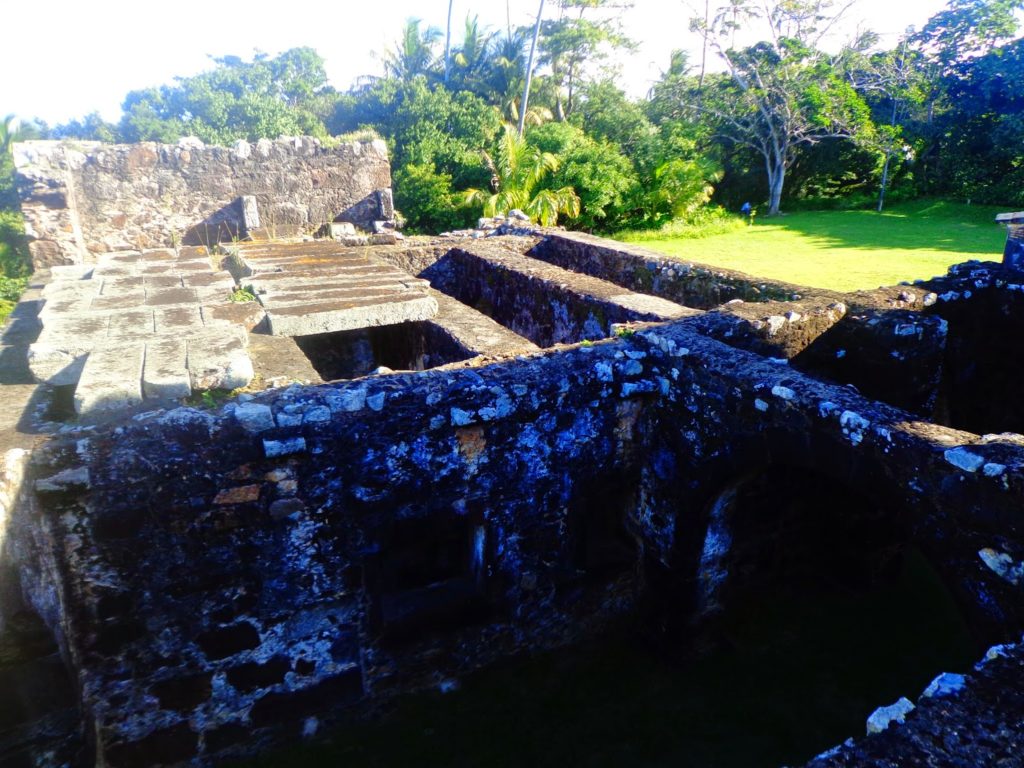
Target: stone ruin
{"points": [[1013, 254], [452, 451]]}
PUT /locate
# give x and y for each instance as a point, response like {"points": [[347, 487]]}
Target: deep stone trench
{"points": [[824, 612], [536, 300], [983, 367], [402, 347]]}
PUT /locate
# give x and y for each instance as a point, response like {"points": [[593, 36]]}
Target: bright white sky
{"points": [[65, 58]]}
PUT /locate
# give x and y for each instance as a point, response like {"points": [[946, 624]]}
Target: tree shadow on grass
{"points": [[923, 225]]}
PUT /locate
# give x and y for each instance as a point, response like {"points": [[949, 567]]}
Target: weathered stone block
{"points": [[111, 378], [57, 364], [165, 374], [217, 359]]}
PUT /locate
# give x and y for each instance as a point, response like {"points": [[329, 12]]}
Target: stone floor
{"points": [[160, 325], [149, 325]]}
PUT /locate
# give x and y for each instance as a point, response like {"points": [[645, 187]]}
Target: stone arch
{"points": [[793, 527]]}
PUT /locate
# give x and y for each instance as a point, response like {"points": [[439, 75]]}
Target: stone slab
{"points": [[311, 288], [163, 297], [57, 364], [77, 326], [68, 288], [645, 304], [114, 285], [178, 319], [130, 324], [278, 358], [210, 287], [127, 299], [218, 359], [119, 270], [165, 373], [111, 378], [321, 318], [246, 314], [477, 332], [72, 271], [60, 306], [161, 281]]}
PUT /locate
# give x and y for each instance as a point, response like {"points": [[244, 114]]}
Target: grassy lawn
{"points": [[847, 250]]}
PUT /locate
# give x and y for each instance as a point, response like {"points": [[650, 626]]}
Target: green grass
{"points": [[843, 250]]}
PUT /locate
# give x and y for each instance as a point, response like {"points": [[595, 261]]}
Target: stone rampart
{"points": [[85, 198]]}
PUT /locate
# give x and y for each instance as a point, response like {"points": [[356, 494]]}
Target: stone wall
{"points": [[693, 285], [243, 576], [84, 198]]}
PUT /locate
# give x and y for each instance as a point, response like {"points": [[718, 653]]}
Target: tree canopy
{"points": [[782, 122]]}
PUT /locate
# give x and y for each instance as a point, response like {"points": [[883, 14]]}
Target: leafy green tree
{"points": [[605, 112], [948, 50], [92, 127], [783, 93], [267, 97], [426, 199], [602, 177], [471, 64], [967, 29], [435, 139], [573, 44], [15, 264], [893, 84], [980, 135], [10, 132], [517, 169]]}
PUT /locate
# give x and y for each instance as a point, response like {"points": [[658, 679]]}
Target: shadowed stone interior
{"points": [[403, 347]]}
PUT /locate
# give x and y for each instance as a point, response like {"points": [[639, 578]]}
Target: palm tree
{"points": [[535, 115], [414, 54], [472, 58], [517, 168]]}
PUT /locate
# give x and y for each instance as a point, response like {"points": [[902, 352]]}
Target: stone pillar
{"points": [[1013, 254], [48, 204]]}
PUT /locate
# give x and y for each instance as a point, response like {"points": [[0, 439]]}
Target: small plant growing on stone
{"points": [[624, 333], [242, 294]]}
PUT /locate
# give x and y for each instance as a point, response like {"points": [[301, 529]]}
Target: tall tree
{"points": [[573, 42], [784, 92], [473, 59], [967, 29], [894, 84], [448, 42], [524, 106]]}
